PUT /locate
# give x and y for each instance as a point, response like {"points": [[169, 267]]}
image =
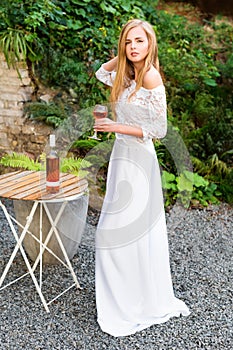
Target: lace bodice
{"points": [[147, 108]]}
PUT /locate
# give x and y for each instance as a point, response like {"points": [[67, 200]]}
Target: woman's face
{"points": [[136, 45]]}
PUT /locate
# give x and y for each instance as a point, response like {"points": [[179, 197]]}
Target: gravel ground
{"points": [[201, 263]]}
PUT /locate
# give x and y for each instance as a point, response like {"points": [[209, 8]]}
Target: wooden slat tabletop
{"points": [[31, 185]]}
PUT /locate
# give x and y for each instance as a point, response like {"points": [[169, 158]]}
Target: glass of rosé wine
{"points": [[99, 112]]}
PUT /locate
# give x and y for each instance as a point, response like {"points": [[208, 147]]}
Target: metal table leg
{"points": [[18, 246], [43, 247]]}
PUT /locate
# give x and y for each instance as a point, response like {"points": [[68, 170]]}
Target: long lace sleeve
{"points": [[155, 122], [105, 76], [147, 109]]}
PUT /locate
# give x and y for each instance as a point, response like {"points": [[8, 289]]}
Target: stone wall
{"points": [[17, 133]]}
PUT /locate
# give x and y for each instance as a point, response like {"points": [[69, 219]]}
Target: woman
{"points": [[133, 281]]}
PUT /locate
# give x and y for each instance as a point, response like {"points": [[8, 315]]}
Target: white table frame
{"points": [[43, 245]]}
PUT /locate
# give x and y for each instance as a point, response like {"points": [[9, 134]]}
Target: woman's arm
{"points": [[107, 71], [111, 65], [107, 125]]}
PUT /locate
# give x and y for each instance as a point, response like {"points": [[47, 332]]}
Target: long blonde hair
{"points": [[125, 70]]}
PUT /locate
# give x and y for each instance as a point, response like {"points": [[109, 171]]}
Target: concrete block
{"points": [[2, 121], [16, 96], [9, 83], [25, 93], [24, 73], [15, 113], [28, 129], [3, 64], [4, 142], [25, 81], [10, 105], [40, 139], [15, 129]]}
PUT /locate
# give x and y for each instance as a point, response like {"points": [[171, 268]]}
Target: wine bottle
{"points": [[52, 168]]}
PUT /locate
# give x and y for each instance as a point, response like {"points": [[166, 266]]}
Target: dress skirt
{"points": [[133, 280]]}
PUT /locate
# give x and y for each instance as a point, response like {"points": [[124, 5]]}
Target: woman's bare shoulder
{"points": [[152, 79]]}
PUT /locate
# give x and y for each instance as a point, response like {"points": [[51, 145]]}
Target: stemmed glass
{"points": [[99, 112]]}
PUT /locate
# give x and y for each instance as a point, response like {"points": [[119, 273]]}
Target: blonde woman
{"points": [[133, 280]]}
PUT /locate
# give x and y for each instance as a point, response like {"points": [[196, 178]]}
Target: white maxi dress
{"points": [[132, 272]]}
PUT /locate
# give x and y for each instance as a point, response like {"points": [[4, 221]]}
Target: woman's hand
{"points": [[106, 125]]}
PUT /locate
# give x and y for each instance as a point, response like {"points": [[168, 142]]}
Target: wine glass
{"points": [[99, 112]]}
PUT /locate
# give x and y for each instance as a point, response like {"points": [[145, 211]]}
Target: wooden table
{"points": [[31, 186]]}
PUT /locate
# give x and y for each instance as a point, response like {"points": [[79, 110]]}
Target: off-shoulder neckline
{"points": [[148, 90], [155, 88], [133, 81]]}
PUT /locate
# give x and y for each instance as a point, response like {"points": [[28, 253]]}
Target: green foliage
{"points": [[188, 55], [68, 40], [226, 68], [189, 188], [225, 186], [165, 159], [89, 38], [215, 136], [18, 160], [76, 166], [197, 63], [85, 145], [15, 46], [51, 113], [26, 28]]}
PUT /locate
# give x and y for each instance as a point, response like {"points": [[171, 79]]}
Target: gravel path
{"points": [[201, 263]]}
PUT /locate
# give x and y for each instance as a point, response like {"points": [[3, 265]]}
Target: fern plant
{"points": [[51, 113], [76, 166], [18, 160]]}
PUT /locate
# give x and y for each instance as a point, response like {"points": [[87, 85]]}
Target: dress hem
{"points": [[140, 327]]}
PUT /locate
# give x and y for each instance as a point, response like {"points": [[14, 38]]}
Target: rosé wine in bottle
{"points": [[52, 168]]}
